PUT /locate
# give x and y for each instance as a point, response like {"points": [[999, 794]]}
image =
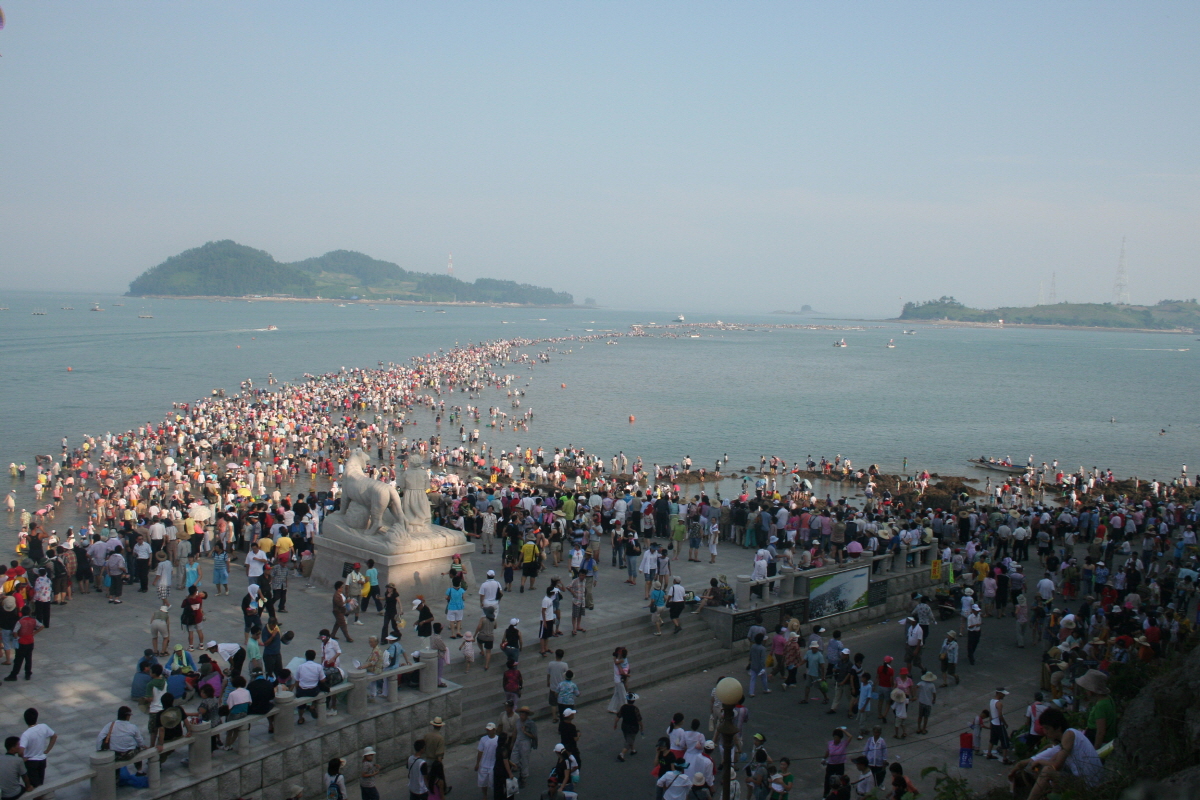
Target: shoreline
{"points": [[951, 323], [360, 301]]}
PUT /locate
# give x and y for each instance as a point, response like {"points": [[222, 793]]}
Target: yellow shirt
{"points": [[265, 544], [529, 552], [283, 544]]}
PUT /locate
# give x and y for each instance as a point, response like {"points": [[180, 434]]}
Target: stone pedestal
{"points": [[417, 567]]}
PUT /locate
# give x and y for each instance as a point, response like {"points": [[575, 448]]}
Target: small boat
{"points": [[68, 308], [840, 343], [39, 312], [996, 466], [145, 316], [909, 333], [3, 308], [680, 318], [891, 344], [272, 328], [95, 307], [118, 304], [694, 336]]}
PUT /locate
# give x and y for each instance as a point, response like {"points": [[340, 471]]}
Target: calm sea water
{"points": [[936, 399]]}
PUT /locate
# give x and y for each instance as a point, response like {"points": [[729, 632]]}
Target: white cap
{"points": [[491, 573], [514, 621], [568, 712], [560, 747]]}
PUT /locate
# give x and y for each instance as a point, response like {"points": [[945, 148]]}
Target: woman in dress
{"points": [[620, 676]]}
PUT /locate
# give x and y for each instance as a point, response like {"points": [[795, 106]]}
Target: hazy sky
{"points": [[682, 156]]}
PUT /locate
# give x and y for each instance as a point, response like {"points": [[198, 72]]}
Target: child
{"points": [[783, 779], [900, 710], [865, 692], [926, 697], [981, 719], [468, 649], [508, 574]]}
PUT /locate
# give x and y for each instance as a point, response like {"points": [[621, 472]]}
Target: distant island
{"points": [[1166, 315], [803, 310], [229, 269]]}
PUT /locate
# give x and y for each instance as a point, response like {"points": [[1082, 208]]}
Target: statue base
{"points": [[418, 566]]}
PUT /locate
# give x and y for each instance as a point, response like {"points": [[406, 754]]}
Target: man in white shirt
{"points": [[675, 782], [36, 743], [308, 679], [256, 561], [547, 619], [1045, 589], [489, 592], [485, 758], [675, 597]]}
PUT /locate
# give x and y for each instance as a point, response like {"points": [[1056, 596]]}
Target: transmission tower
{"points": [[450, 266], [1121, 285], [1053, 288]]}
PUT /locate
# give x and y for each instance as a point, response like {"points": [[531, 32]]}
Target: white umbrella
{"points": [[200, 513], [168, 461]]}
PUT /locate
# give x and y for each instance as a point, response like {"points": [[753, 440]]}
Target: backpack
{"points": [[333, 791]]}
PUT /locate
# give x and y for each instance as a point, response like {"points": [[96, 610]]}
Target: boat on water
{"points": [[891, 344], [145, 316], [694, 336], [998, 466], [680, 318], [909, 333], [95, 307], [39, 312], [272, 328], [68, 308], [840, 343]]}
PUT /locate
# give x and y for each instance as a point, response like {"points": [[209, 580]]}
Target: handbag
{"points": [[108, 736], [511, 786], [107, 579]]}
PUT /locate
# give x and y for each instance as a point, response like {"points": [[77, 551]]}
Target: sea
{"points": [[1128, 401]]}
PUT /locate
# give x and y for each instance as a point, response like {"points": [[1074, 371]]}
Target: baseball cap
{"points": [[560, 747], [491, 726], [491, 573], [568, 712], [210, 645], [845, 651]]}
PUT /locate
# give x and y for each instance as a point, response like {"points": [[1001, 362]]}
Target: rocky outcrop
{"points": [[1159, 731]]}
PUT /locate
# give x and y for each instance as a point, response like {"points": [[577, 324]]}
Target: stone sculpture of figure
{"points": [[375, 496], [418, 516]]}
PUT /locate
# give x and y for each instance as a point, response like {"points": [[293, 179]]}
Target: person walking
{"points": [[339, 610], [758, 665], [949, 658], [814, 667], [620, 658], [675, 597], [486, 753], [974, 631], [524, 743], [629, 717], [26, 628], [998, 744], [926, 697]]}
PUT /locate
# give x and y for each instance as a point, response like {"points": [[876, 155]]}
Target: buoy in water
{"points": [[68, 369], [563, 385], [239, 347], [632, 418]]}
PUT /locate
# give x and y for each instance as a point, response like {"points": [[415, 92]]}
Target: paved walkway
{"points": [[84, 663]]}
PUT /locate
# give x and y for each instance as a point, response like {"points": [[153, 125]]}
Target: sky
{"points": [[679, 156]]}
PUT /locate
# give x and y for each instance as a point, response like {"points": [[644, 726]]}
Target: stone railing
{"points": [[293, 754], [891, 580]]}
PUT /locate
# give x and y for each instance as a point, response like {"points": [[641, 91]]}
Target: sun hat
{"points": [[951, 635], [416, 602], [968, 591], [391, 637], [898, 695], [814, 645], [437, 722], [845, 651], [10, 604], [698, 779], [524, 710], [1001, 690], [491, 573], [368, 751], [888, 659], [160, 555], [709, 744], [759, 737], [975, 607], [631, 698], [210, 645], [929, 676]]}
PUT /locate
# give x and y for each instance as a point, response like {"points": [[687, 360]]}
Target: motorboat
{"points": [[891, 344], [840, 343], [998, 466]]}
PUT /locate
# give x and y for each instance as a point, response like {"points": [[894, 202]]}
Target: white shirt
{"points": [[487, 746], [488, 591], [675, 593], [916, 635], [331, 653], [547, 609], [35, 739], [1045, 588], [309, 674], [228, 650], [256, 561]]}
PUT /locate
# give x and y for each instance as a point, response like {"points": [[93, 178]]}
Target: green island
{"points": [[229, 269], [1166, 315]]}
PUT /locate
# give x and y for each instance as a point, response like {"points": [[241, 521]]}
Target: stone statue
{"points": [[418, 516], [376, 496]]}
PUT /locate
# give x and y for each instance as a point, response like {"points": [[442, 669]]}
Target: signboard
{"points": [[838, 592], [935, 571], [966, 751], [878, 593]]}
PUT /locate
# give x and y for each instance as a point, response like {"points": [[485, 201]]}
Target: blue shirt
{"points": [[373, 576], [456, 598]]}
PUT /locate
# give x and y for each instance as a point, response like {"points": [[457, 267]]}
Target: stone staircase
{"points": [[652, 659]]}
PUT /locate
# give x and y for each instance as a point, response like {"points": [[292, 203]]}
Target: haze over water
{"points": [[938, 398]]}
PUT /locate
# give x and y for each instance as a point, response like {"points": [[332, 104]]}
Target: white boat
{"points": [[840, 343], [68, 308], [909, 333], [272, 328], [891, 344], [680, 318], [39, 312], [145, 316], [95, 307]]}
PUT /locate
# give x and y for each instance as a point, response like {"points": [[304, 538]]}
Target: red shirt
{"points": [[884, 675], [25, 628]]}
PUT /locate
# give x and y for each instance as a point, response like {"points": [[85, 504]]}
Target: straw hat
{"points": [[898, 695], [1094, 681], [929, 676], [437, 722], [1069, 624]]}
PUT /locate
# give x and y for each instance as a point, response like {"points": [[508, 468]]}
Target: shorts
{"points": [[313, 692], [630, 739], [923, 710], [220, 577], [529, 570], [576, 611], [546, 630], [1044, 551], [485, 779], [158, 627], [486, 644], [454, 615], [61, 585], [193, 628], [948, 668], [250, 622], [694, 542], [650, 575], [164, 591], [675, 609]]}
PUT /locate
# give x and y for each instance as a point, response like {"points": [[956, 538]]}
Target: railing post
{"points": [[357, 703], [153, 770], [322, 711], [787, 583], [243, 740], [741, 592], [429, 671], [391, 688], [104, 781], [285, 717], [200, 750]]}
